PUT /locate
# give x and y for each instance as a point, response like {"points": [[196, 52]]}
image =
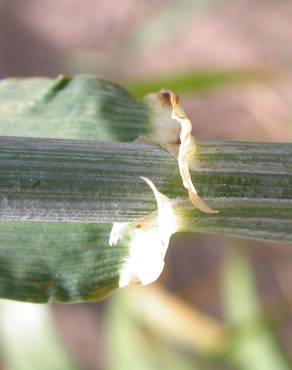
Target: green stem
{"points": [[81, 181]]}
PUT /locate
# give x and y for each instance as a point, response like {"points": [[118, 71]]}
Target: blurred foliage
{"points": [[159, 27], [147, 328], [253, 342], [194, 82], [154, 30], [29, 338]]}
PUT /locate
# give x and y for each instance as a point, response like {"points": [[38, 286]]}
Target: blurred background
{"points": [[220, 303]]}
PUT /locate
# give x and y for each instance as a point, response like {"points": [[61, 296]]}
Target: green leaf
{"points": [[45, 262], [82, 107]]}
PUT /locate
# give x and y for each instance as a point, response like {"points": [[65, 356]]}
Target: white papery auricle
{"points": [[148, 240]]}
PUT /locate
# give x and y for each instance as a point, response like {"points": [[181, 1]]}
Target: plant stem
{"points": [[88, 182]]}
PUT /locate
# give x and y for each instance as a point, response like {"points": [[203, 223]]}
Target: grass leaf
{"points": [[74, 190]]}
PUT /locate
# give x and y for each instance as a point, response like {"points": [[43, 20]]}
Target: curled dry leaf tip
{"points": [[186, 147]]}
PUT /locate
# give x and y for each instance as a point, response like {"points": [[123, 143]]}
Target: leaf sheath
{"points": [[88, 182]]}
